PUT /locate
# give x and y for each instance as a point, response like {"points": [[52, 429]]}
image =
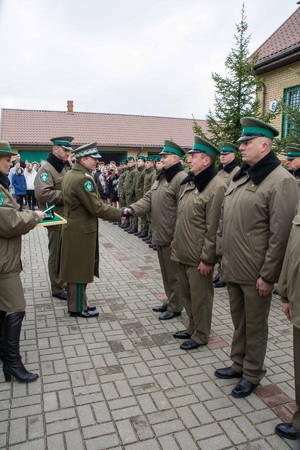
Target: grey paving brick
{"points": [[102, 443], [62, 426], [216, 443], [142, 427], [126, 431], [17, 431], [98, 430], [25, 411], [169, 427], [74, 440]]}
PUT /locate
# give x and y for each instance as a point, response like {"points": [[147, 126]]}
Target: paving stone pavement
{"points": [[120, 381]]}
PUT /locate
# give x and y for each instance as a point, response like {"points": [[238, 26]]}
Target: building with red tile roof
{"points": [[117, 135], [278, 63]]}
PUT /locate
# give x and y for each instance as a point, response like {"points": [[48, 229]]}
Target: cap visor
{"points": [[246, 138]]}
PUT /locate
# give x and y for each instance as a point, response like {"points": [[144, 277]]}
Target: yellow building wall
{"points": [[275, 82]]}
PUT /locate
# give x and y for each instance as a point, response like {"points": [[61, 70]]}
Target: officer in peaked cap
{"points": [[161, 202], [226, 170], [13, 224], [203, 146], [293, 161], [171, 148], [194, 242], [256, 219], [79, 241], [253, 128], [48, 191]]}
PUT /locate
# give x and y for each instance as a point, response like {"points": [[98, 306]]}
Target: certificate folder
{"points": [[57, 220]]}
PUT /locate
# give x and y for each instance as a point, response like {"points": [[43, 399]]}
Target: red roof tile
{"points": [[37, 127], [286, 37]]}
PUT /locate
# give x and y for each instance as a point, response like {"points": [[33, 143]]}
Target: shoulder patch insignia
{"points": [[44, 177], [88, 186], [1, 199]]}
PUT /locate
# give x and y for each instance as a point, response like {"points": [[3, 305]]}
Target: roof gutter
{"points": [[277, 61]]}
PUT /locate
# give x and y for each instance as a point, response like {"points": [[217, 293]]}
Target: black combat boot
{"points": [[2, 353], [13, 365]]}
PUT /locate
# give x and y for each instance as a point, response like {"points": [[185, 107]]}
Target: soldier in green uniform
{"points": [[161, 200], [148, 181], [129, 189], [194, 242], [13, 224], [79, 253], [47, 186], [226, 170], [254, 228], [121, 190], [139, 192], [293, 161], [289, 288]]}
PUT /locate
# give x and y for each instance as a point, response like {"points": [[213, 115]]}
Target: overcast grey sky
{"points": [[124, 56]]}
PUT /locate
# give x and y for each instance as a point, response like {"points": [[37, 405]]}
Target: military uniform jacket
{"points": [[289, 281], [13, 223], [162, 201], [121, 183], [129, 186], [79, 254], [48, 181], [197, 223], [228, 172], [148, 180], [256, 221], [139, 182]]}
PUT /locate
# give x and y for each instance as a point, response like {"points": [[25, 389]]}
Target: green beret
{"points": [[130, 158], [171, 147], [253, 128], [227, 147], [203, 146], [292, 152], [87, 150], [5, 149], [141, 158]]}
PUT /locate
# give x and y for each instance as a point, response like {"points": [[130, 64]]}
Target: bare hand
{"points": [[287, 310], [264, 289], [41, 215], [204, 269]]}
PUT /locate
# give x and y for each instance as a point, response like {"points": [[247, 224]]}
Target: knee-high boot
{"points": [[2, 316], [13, 365]]}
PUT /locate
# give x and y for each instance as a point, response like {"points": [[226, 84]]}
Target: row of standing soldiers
{"points": [[136, 178]]}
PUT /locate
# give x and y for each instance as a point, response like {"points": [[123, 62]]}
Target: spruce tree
{"points": [[235, 94]]}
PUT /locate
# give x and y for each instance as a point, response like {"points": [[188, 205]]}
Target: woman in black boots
{"points": [[13, 224]]}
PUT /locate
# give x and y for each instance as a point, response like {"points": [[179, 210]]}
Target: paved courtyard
{"points": [[120, 381]]}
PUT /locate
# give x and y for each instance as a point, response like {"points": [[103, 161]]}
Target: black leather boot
{"points": [[13, 365], [2, 316]]}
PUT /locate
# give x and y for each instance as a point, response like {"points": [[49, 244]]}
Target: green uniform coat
{"points": [[79, 255]]}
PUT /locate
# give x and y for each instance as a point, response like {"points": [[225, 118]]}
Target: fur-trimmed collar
{"points": [[170, 172], [297, 173], [263, 168], [240, 173], [57, 163], [4, 181], [229, 167], [202, 179], [259, 171]]}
